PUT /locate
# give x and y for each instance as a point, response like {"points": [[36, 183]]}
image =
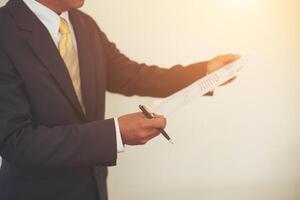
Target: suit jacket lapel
{"points": [[86, 62], [52, 60], [45, 50]]}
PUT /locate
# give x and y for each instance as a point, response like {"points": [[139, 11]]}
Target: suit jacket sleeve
{"points": [[26, 144], [131, 78]]}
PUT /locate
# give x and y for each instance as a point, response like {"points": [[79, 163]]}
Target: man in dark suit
{"points": [[55, 66]]}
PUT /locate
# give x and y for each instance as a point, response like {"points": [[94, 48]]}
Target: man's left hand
{"points": [[219, 62]]}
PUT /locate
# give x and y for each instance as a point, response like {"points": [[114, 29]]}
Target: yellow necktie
{"points": [[70, 57]]}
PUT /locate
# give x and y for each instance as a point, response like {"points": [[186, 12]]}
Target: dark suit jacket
{"points": [[51, 150]]}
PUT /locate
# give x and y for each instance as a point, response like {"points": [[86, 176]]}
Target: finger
{"points": [[157, 116], [152, 133], [229, 81], [149, 134], [226, 59], [158, 122]]}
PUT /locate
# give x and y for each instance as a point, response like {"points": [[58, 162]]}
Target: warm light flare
{"points": [[237, 4]]}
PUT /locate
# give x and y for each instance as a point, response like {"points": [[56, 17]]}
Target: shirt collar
{"points": [[49, 18]]}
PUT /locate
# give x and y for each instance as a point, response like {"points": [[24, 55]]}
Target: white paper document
{"points": [[208, 83]]}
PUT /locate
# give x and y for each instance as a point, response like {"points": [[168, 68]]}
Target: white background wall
{"points": [[242, 144]]}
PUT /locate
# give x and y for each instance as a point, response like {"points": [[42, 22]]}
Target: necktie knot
{"points": [[63, 27]]}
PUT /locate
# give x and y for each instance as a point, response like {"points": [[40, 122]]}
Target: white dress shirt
{"points": [[51, 21]]}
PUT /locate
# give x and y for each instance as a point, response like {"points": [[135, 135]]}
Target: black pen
{"points": [[150, 116]]}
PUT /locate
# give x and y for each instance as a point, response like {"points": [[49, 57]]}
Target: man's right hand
{"points": [[136, 129]]}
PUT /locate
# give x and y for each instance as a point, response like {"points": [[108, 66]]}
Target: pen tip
{"points": [[171, 141]]}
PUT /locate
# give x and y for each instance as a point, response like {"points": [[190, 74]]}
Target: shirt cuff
{"points": [[120, 145]]}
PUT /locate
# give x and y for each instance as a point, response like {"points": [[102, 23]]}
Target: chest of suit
{"points": [[45, 78]]}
